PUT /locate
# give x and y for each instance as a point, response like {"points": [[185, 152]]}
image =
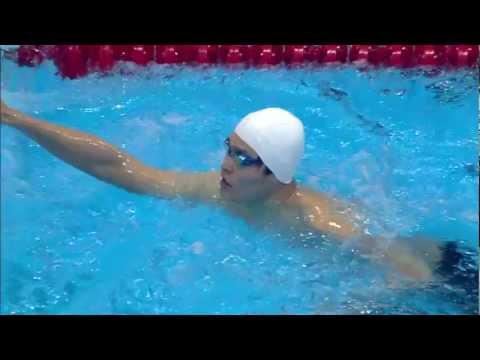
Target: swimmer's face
{"points": [[244, 176]]}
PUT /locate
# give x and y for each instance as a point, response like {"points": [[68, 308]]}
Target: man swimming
{"points": [[256, 182]]}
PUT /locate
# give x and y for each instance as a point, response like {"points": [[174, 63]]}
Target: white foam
{"points": [[174, 119]]}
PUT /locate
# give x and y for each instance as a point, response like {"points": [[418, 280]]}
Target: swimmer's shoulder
{"points": [[306, 198], [326, 213]]}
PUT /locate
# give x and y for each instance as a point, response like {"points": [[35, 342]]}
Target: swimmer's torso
{"points": [[305, 209]]}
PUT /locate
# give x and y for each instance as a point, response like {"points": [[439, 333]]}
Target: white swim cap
{"points": [[278, 138]]}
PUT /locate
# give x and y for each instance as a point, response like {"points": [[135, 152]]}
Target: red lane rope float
{"points": [[300, 54], [142, 54], [29, 55], [371, 54], [71, 60], [121, 52], [332, 54], [234, 54], [49, 51], [297, 54], [102, 58], [430, 55], [264, 55], [400, 56], [75, 61], [204, 54], [462, 55], [171, 54]]}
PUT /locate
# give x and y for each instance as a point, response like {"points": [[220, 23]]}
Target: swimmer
{"points": [[255, 181]]}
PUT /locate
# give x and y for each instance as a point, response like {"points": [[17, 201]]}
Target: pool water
{"points": [[401, 144]]}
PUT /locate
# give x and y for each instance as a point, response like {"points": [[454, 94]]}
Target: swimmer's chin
{"points": [[224, 185], [226, 191]]}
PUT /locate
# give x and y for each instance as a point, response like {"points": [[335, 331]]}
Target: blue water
{"points": [[401, 144]]}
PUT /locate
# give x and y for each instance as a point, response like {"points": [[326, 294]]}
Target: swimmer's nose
{"points": [[227, 165]]}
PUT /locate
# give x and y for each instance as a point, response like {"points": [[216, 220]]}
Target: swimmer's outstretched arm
{"points": [[107, 163]]}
